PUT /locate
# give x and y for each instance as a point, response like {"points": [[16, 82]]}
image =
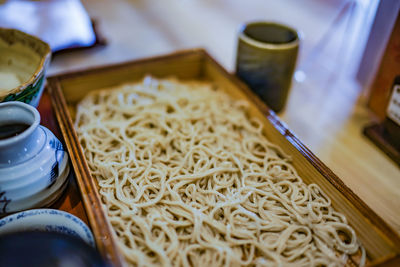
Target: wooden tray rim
{"points": [[87, 188], [324, 170]]}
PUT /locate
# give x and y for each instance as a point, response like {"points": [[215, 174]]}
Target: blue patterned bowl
{"points": [[34, 166], [23, 63], [47, 220], [47, 249]]}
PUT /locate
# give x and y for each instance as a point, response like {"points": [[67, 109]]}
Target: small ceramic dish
{"points": [[47, 249], [23, 63], [34, 167], [47, 220]]}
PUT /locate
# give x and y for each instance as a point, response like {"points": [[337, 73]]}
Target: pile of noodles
{"points": [[187, 178]]}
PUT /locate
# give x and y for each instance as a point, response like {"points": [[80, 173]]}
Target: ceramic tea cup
{"points": [[266, 59], [34, 167], [23, 63]]}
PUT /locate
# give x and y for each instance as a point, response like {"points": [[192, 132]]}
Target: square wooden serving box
{"points": [[382, 244]]}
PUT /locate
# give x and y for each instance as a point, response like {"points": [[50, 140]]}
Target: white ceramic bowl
{"points": [[47, 220], [23, 63]]}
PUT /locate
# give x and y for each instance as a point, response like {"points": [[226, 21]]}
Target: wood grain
{"points": [[70, 200], [90, 197], [388, 69], [380, 241]]}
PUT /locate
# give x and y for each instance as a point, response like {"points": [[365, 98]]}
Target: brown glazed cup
{"points": [[266, 59]]}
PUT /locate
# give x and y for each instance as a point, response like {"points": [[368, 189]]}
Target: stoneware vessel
{"points": [[34, 167], [23, 63], [266, 59], [47, 220]]}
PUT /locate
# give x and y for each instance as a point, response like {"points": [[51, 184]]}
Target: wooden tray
{"points": [[380, 241], [70, 200]]}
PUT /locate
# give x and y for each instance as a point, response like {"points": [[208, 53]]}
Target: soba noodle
{"points": [[188, 179]]}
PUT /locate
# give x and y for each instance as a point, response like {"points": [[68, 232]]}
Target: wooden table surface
{"points": [[326, 108]]}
